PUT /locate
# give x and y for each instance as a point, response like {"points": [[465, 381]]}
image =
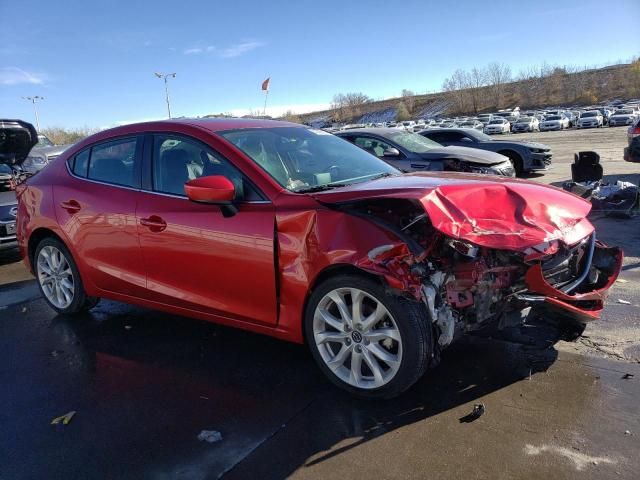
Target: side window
{"points": [[372, 145], [113, 162], [176, 160], [80, 163]]}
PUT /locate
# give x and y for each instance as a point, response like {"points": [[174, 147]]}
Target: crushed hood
{"points": [[17, 138], [500, 213]]}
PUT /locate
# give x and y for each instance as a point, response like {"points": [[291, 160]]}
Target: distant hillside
{"points": [[490, 89]]}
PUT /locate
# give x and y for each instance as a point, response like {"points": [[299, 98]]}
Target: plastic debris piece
{"points": [[63, 419], [624, 302], [478, 411], [127, 327], [622, 280], [211, 436], [627, 432], [627, 376]]}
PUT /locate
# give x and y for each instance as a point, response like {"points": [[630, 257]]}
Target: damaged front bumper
{"points": [[581, 299]]}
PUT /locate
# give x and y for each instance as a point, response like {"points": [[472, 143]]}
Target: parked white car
{"points": [[623, 117], [591, 119], [497, 125], [554, 122], [526, 124]]}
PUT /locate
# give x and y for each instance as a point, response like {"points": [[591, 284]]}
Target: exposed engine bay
{"points": [[465, 286]]}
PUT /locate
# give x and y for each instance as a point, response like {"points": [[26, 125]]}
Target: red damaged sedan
{"points": [[292, 232]]}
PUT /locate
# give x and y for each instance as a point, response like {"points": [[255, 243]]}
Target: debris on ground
{"points": [[620, 199], [478, 411], [627, 432], [211, 436], [63, 419], [627, 376], [622, 280], [624, 302], [127, 327]]}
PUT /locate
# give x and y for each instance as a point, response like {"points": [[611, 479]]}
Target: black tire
{"points": [[412, 322], [81, 302], [516, 161]]}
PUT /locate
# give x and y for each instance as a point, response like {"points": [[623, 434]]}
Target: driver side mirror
{"points": [[391, 152], [214, 190]]}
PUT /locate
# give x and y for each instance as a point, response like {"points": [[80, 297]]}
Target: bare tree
{"points": [[347, 105], [456, 87], [475, 81], [498, 75], [402, 113], [408, 97]]}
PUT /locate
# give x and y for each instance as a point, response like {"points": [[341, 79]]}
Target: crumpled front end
{"points": [[469, 269]]}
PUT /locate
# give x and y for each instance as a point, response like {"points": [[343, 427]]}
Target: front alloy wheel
{"points": [[357, 338], [366, 340]]}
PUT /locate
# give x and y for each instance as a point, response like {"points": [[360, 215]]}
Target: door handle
{"points": [[71, 206], [154, 223]]}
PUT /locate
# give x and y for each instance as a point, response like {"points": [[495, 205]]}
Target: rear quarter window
{"points": [[80, 163]]}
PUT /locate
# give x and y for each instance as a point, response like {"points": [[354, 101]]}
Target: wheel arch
{"points": [[516, 156], [331, 271], [36, 237]]}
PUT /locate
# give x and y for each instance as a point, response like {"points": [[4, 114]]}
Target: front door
{"points": [[196, 258]]}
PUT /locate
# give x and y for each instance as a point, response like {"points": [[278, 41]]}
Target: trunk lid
{"points": [[17, 138]]}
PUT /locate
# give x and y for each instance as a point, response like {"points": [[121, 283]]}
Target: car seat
{"points": [[173, 172], [586, 167]]}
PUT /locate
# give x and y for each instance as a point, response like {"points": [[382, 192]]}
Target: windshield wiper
{"points": [[320, 188], [383, 175]]}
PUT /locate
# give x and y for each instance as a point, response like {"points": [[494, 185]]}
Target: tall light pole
{"points": [[166, 87], [35, 108]]}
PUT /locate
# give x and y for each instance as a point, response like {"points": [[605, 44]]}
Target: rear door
{"points": [[195, 258], [96, 207]]}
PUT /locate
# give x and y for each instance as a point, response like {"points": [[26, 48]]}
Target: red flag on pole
{"points": [[265, 84]]}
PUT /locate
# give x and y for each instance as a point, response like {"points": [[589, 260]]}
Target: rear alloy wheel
{"points": [[59, 279], [365, 340]]}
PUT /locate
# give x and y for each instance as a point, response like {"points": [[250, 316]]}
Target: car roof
{"points": [[213, 124]]}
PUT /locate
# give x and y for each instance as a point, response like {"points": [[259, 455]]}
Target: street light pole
{"points": [[33, 100], [166, 87]]}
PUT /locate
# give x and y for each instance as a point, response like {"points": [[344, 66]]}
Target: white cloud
{"points": [[240, 49], [18, 76], [211, 48], [192, 51]]}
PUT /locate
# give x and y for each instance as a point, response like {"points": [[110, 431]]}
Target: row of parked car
{"points": [[515, 121]]}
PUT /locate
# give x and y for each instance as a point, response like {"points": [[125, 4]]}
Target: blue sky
{"points": [[94, 61]]}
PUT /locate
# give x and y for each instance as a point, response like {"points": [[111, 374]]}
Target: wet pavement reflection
{"points": [[144, 385]]}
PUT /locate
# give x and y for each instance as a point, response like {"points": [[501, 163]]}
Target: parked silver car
{"points": [[591, 119], [622, 117], [44, 151]]}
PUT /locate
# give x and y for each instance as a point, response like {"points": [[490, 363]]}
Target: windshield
{"points": [[44, 142], [412, 141], [300, 159], [496, 122], [624, 112], [4, 168], [553, 117], [590, 114], [524, 120]]}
